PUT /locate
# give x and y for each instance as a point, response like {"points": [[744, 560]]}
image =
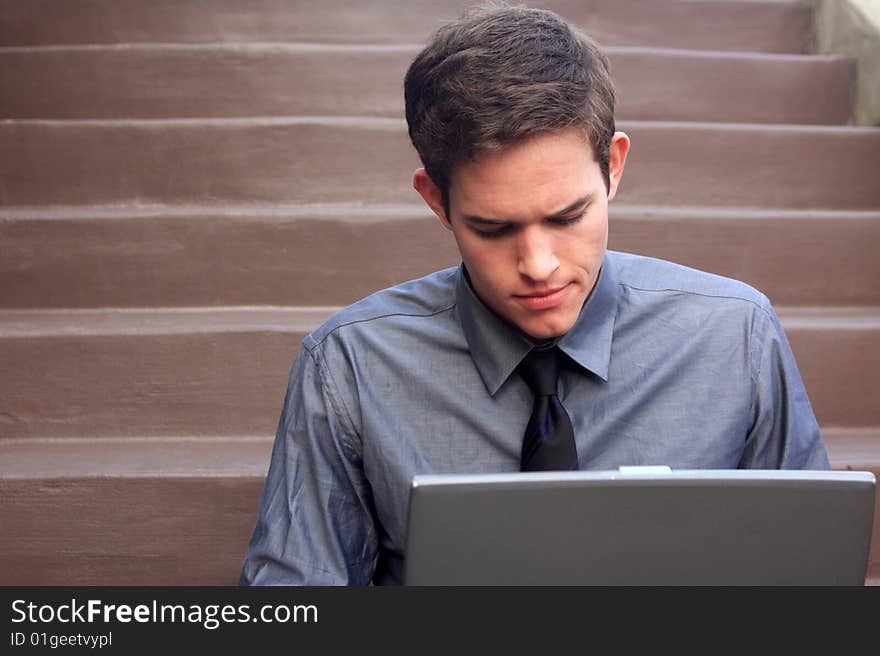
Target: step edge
{"points": [[361, 211], [98, 322], [352, 121], [105, 322], [297, 47], [386, 123], [134, 457], [32, 458]]}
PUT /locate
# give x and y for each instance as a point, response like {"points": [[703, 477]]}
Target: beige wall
{"points": [[852, 27]]}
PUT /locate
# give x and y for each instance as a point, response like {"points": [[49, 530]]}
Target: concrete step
{"points": [[229, 80], [95, 511], [162, 256], [162, 511], [856, 449], [759, 25], [191, 372], [837, 351], [147, 373], [364, 160]]}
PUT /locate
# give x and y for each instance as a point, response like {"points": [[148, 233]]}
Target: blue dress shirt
{"points": [[669, 366]]}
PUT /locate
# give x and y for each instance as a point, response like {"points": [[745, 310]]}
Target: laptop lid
{"points": [[641, 526]]}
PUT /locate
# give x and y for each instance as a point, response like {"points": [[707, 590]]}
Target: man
{"points": [[512, 113]]}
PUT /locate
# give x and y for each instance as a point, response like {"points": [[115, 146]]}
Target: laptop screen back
{"points": [[700, 527]]}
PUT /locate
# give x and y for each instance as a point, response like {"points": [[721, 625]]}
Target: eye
{"points": [[494, 234], [565, 221]]}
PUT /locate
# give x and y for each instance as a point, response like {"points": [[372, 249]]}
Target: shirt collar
{"points": [[497, 347]]}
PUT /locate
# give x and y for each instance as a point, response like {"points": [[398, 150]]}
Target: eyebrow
{"points": [[568, 209]]}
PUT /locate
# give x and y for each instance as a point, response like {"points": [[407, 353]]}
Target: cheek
{"points": [[490, 265], [595, 237], [470, 252], [584, 246], [480, 253]]}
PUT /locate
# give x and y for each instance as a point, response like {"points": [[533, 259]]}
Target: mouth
{"points": [[544, 300]]}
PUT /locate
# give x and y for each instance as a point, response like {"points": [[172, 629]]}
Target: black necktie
{"points": [[548, 443]]}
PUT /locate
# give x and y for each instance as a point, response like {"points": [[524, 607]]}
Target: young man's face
{"points": [[531, 223]]}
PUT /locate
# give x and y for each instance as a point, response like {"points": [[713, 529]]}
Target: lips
{"points": [[544, 300]]}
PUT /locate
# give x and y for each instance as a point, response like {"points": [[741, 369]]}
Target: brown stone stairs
{"points": [[187, 188]]}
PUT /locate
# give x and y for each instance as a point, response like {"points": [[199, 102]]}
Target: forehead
{"points": [[540, 174]]}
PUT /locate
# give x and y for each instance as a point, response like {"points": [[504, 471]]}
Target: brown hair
{"points": [[501, 74]]}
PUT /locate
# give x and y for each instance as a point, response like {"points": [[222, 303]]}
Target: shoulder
{"points": [[647, 276], [409, 302]]}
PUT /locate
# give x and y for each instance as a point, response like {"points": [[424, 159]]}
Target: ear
{"points": [[431, 194], [616, 161]]}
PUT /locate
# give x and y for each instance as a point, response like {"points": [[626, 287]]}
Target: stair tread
{"points": [[411, 48], [369, 212], [222, 371], [251, 160], [296, 319], [169, 256], [394, 123], [254, 79], [134, 457], [766, 25], [854, 447], [159, 321], [829, 317], [248, 456]]}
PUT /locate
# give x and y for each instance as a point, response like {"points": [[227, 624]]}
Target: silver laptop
{"points": [[641, 526]]}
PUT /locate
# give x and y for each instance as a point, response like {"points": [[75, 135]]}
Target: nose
{"points": [[536, 257]]}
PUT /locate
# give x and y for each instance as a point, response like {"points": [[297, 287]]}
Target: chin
{"points": [[544, 330]]}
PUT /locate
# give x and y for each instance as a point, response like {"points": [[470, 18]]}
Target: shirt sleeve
{"points": [[316, 519], [784, 433]]}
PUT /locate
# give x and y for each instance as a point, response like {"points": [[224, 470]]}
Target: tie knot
{"points": [[540, 370]]}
